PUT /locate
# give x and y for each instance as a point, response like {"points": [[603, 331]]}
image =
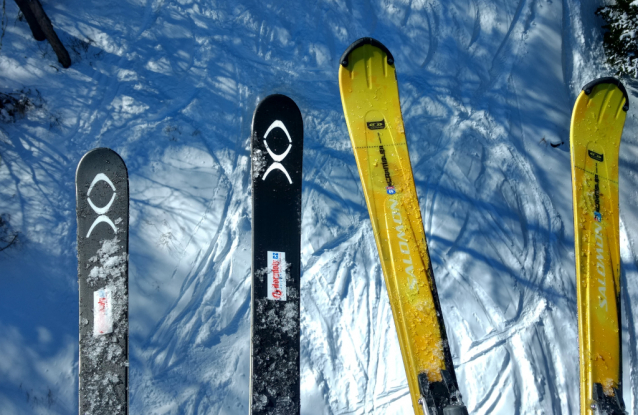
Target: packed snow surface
{"points": [[487, 88]]}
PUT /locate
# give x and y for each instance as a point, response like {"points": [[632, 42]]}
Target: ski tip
{"points": [[101, 153], [608, 80], [278, 101], [365, 41]]}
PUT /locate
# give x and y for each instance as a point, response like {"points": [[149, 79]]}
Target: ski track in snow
{"points": [[485, 87]]}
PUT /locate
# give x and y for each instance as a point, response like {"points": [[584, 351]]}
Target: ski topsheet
{"points": [[277, 153], [102, 213], [596, 128], [370, 98]]}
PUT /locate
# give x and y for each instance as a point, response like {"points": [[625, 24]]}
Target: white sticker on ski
{"points": [[276, 276], [102, 311]]}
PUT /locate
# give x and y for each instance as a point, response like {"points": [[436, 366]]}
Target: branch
{"points": [[44, 23], [38, 34]]}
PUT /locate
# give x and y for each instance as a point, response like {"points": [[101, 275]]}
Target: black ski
{"points": [[102, 196], [277, 153]]}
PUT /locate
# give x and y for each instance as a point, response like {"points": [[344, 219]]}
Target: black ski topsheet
{"points": [[103, 214], [277, 153]]}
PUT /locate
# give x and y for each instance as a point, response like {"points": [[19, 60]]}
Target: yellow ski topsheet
{"points": [[370, 99], [596, 129]]}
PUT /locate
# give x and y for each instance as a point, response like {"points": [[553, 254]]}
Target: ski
{"points": [[370, 98], [276, 155], [596, 128], [102, 214]]}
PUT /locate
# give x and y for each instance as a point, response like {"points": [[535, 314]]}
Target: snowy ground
{"points": [[486, 86]]}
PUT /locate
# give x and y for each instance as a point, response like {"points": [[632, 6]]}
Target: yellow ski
{"points": [[370, 98], [597, 124]]}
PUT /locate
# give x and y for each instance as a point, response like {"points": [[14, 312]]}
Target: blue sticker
{"points": [[598, 217], [390, 190]]}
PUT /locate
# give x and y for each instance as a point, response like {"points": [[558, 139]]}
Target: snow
{"points": [[171, 85], [112, 266]]}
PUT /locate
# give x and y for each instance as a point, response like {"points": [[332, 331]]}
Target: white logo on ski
{"points": [[276, 276], [103, 311], [277, 158], [101, 177]]}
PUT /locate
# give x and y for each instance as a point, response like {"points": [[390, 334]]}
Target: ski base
{"points": [[276, 155], [102, 239], [596, 130], [370, 98]]}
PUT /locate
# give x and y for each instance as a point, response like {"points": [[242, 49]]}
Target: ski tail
{"points": [[370, 98], [596, 129]]}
